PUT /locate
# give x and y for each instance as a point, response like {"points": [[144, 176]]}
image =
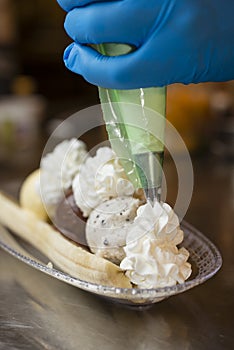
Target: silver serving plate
{"points": [[205, 259]]}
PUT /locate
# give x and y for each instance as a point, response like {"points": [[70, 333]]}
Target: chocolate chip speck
{"points": [[97, 216], [103, 222], [105, 242]]}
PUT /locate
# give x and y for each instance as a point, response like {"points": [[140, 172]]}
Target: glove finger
{"points": [[107, 22], [118, 72], [68, 5]]}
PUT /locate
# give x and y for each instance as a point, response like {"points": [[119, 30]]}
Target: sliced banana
{"points": [[65, 254]]}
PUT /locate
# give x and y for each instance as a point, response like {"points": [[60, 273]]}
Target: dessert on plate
{"points": [[84, 214]]}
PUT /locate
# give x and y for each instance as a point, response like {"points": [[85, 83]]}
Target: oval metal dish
{"points": [[205, 258]]}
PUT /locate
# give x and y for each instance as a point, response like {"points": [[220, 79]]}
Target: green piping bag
{"points": [[135, 122]]}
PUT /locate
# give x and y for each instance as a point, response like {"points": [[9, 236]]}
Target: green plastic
{"points": [[135, 122]]}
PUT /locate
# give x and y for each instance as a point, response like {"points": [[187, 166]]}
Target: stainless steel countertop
{"points": [[39, 312]]}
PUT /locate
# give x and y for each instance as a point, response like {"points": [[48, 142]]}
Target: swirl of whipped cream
{"points": [[100, 178], [152, 257], [58, 169]]}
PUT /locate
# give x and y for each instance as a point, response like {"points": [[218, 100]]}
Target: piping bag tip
{"points": [[149, 168], [152, 195]]}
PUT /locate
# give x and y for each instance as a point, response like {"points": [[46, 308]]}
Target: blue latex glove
{"points": [[186, 41]]}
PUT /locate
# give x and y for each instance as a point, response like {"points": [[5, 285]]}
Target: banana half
{"points": [[65, 254]]}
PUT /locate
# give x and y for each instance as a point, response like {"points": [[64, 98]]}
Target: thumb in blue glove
{"points": [[186, 41]]}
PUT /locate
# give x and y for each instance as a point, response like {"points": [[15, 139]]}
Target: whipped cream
{"points": [[58, 169], [100, 178], [153, 259]]}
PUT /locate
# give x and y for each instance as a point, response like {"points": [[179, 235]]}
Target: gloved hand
{"points": [[186, 41]]}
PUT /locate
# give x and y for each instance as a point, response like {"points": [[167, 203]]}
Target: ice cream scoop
{"points": [[29, 195], [108, 225]]}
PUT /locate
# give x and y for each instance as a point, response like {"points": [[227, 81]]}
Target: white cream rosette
{"points": [[100, 178], [153, 259], [58, 169]]}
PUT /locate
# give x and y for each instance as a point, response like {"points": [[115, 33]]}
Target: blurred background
{"points": [[37, 92]]}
